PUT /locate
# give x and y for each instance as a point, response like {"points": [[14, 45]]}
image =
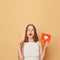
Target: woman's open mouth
{"points": [[30, 34]]}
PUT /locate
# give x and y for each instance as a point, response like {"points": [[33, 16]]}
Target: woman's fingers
{"points": [[19, 39], [47, 44], [19, 42]]}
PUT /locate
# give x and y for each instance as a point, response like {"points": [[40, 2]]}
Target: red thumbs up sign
{"points": [[45, 37]]}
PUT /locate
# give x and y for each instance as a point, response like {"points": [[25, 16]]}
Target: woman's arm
{"points": [[20, 55], [44, 50], [42, 53]]}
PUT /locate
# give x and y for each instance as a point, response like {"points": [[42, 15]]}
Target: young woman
{"points": [[31, 47]]}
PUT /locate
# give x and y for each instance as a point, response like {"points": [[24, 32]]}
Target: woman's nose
{"points": [[30, 30]]}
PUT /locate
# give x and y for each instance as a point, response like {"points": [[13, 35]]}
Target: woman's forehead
{"points": [[30, 27]]}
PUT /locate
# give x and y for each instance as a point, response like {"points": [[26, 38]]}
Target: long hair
{"points": [[35, 37]]}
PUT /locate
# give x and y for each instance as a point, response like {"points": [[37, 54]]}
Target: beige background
{"points": [[16, 14]]}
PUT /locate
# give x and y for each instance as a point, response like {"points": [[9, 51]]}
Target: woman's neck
{"points": [[31, 40]]}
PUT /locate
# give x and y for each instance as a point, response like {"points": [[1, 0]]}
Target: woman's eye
{"points": [[28, 29], [32, 29]]}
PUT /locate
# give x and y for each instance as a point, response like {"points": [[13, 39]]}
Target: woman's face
{"points": [[30, 32]]}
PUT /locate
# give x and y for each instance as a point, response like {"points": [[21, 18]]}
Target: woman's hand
{"points": [[46, 45], [20, 55], [20, 43], [44, 50]]}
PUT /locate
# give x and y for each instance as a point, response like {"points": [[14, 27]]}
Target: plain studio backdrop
{"points": [[16, 14]]}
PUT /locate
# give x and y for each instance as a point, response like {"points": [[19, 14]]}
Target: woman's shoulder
{"points": [[39, 43]]}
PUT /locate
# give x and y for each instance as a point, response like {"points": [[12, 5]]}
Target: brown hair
{"points": [[35, 33]]}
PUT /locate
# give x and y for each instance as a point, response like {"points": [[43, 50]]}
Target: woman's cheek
{"points": [[27, 33], [33, 33]]}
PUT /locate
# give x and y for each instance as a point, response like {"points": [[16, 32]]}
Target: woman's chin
{"points": [[30, 37]]}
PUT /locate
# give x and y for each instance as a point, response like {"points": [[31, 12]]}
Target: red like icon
{"points": [[45, 37]]}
